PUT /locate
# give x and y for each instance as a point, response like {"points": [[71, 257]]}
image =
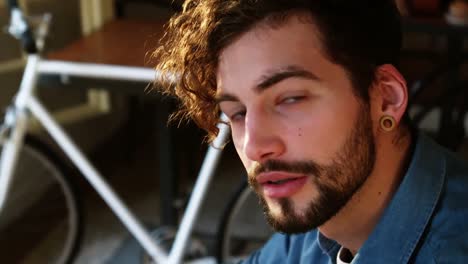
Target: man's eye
{"points": [[237, 116], [292, 99]]}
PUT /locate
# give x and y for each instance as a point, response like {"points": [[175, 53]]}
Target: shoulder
{"points": [[447, 236], [282, 248], [453, 201]]}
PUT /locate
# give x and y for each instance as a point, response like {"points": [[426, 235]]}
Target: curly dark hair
{"points": [[359, 35]]}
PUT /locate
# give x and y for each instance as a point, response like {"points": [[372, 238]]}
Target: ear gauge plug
{"points": [[387, 123]]}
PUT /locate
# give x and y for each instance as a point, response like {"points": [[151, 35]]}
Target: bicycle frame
{"points": [[26, 104]]}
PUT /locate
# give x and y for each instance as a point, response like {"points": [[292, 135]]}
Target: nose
{"points": [[262, 138]]}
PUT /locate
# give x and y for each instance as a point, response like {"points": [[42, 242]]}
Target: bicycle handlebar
{"points": [[20, 28]]}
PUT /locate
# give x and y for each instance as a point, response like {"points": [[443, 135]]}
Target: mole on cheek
{"points": [[300, 132]]}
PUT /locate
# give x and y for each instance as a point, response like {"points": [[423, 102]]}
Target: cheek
{"points": [[320, 136], [299, 132]]}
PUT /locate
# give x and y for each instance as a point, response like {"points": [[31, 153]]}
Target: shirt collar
{"points": [[328, 246], [405, 219]]}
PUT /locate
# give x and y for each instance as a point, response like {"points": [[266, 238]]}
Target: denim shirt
{"points": [[425, 222]]}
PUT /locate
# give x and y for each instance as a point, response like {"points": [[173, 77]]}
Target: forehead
{"points": [[267, 48]]}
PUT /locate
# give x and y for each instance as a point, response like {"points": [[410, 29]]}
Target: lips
{"points": [[280, 185]]}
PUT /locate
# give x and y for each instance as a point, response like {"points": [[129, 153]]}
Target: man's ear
{"points": [[389, 93]]}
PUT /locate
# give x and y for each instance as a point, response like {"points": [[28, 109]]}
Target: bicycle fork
{"points": [[14, 128]]}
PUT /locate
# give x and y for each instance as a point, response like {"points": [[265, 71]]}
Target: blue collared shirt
{"points": [[425, 222]]}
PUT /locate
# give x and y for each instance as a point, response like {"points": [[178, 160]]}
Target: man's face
{"points": [[300, 131]]}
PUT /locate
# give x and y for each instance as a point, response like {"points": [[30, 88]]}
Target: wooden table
{"points": [[120, 42]]}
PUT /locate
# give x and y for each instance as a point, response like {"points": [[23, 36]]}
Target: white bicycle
{"points": [[53, 179]]}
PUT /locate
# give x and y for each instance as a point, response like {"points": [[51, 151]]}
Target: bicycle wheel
{"points": [[42, 219], [243, 228]]}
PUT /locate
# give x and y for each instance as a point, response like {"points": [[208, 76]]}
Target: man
{"points": [[318, 116]]}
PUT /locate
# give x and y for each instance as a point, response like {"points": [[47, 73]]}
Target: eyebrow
{"points": [[226, 97], [281, 74], [272, 78]]}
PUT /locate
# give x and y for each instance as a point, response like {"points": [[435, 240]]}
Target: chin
{"points": [[285, 216]]}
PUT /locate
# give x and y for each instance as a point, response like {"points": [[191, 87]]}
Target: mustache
{"points": [[299, 167]]}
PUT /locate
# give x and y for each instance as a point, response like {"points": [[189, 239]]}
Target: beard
{"points": [[335, 183]]}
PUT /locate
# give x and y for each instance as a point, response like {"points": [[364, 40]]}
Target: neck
{"points": [[353, 224]]}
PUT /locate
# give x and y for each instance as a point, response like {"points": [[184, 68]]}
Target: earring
{"points": [[387, 123]]}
